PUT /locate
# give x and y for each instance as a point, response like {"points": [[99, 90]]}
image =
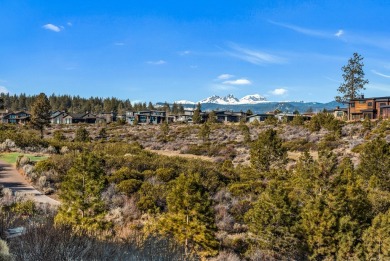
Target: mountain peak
{"points": [[230, 99]]}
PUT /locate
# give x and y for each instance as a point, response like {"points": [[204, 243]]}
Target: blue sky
{"points": [[172, 50]]}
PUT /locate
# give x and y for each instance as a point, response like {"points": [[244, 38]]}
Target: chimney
{"points": [[362, 96]]}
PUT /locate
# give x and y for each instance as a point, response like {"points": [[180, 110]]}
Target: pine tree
{"points": [[196, 117], [267, 151], [376, 239], [375, 162], [212, 117], [82, 206], [204, 132], [274, 222], [354, 81], [40, 113], [190, 219], [164, 128], [82, 135]]}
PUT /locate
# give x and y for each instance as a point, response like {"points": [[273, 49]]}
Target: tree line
{"points": [[77, 104]]}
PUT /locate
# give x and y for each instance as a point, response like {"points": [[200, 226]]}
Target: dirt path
{"points": [[178, 154], [12, 179]]}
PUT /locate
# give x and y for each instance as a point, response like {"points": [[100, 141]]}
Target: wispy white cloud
{"points": [[3, 89], [380, 74], [253, 56], [339, 33], [225, 76], [52, 27], [186, 52], [159, 62], [309, 32], [279, 91], [301, 30], [241, 81], [69, 24]]}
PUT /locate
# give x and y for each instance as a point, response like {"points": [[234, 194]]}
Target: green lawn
{"points": [[11, 157]]}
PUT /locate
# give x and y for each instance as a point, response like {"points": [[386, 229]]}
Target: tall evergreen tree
{"points": [[40, 113], [212, 117], [274, 223], [267, 151], [190, 219], [82, 206], [353, 76], [204, 132], [196, 117], [377, 238]]}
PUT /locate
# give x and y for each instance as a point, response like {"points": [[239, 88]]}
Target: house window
{"points": [[369, 104], [362, 102], [352, 105]]}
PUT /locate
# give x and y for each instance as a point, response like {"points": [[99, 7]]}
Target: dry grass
{"points": [[295, 155], [172, 153]]}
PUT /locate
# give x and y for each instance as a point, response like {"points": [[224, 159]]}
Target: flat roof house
{"points": [[147, 117], [340, 113], [372, 108], [230, 116]]}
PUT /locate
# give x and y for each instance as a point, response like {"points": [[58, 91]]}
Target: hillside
{"points": [[274, 190]]}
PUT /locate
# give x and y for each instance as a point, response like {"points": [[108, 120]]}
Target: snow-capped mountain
{"points": [[252, 99], [230, 99], [257, 104]]}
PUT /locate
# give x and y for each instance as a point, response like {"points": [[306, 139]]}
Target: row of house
{"points": [[58, 117], [156, 117], [357, 109]]}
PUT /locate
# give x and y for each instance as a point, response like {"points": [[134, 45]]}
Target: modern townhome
{"points": [[340, 113], [19, 117], [258, 117], [147, 117], [107, 117], [79, 118], [230, 116], [371, 108], [186, 116]]}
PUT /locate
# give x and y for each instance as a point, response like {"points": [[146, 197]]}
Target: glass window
{"points": [[369, 104], [362, 102], [352, 105]]}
